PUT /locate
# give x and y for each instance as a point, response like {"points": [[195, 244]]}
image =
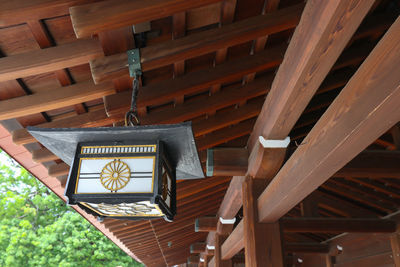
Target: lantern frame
{"points": [[154, 197]]}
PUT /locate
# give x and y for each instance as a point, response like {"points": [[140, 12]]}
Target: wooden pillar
{"points": [[309, 206], [262, 241], [219, 240], [395, 242]]}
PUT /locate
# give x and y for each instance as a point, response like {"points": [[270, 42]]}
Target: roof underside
{"points": [[221, 92]]}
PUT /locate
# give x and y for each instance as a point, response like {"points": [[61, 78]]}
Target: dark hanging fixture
{"points": [[125, 172]]}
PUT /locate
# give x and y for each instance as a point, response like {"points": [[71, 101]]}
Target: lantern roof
{"points": [[178, 139]]}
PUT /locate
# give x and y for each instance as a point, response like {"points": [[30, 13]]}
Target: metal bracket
{"points": [[135, 68]]}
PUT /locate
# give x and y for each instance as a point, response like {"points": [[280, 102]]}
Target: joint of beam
{"points": [[274, 143], [227, 221]]}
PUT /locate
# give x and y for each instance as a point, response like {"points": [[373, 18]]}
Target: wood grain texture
{"points": [[52, 99], [96, 118], [197, 44], [357, 117], [338, 225], [49, 59], [322, 34], [20, 11], [106, 15], [195, 82], [262, 241]]}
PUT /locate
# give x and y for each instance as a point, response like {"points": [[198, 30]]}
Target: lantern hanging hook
{"points": [[135, 71]]}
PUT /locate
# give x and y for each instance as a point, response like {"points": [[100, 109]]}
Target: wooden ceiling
{"points": [[212, 62]]}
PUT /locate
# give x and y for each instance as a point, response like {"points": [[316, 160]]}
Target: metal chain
{"points": [[131, 117]]}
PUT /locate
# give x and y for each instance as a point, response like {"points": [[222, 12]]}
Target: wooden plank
{"points": [[225, 135], [43, 155], [48, 59], [111, 14], [197, 247], [159, 93], [227, 161], [262, 241], [205, 224], [20, 11], [219, 262], [357, 117], [198, 44], [372, 164], [322, 34], [52, 99], [96, 118], [234, 243], [58, 169], [395, 244], [306, 248], [337, 225]]}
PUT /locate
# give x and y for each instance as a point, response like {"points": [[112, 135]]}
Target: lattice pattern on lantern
{"points": [[118, 149], [143, 208]]}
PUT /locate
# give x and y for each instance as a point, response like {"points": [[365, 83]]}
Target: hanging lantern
{"points": [[125, 172]]}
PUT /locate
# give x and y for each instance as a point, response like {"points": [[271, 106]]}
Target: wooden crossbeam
{"points": [[197, 247], [368, 164], [262, 241], [202, 43], [96, 118], [49, 59], [372, 164], [107, 15], [205, 224], [357, 117], [54, 98], [338, 225], [314, 48], [20, 11], [306, 248], [195, 82]]}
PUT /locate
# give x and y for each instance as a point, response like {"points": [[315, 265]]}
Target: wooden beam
{"points": [[262, 241], [107, 15], [205, 224], [52, 99], [197, 247], [49, 59], [198, 44], [20, 11], [227, 161], [195, 82], [338, 225], [43, 155], [357, 117], [234, 243], [57, 170], [372, 164], [306, 248], [95, 118], [395, 244], [219, 262], [322, 34]]}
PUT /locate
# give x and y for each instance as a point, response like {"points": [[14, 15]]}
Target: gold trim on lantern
{"points": [[152, 175], [84, 147], [115, 175]]}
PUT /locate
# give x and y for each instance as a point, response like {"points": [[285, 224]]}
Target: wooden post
{"points": [[262, 242], [395, 242], [219, 240]]}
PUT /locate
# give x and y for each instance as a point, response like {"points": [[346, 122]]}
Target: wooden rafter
{"points": [[48, 59], [357, 117], [202, 43]]}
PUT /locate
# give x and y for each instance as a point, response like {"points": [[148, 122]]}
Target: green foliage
{"points": [[38, 229]]}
